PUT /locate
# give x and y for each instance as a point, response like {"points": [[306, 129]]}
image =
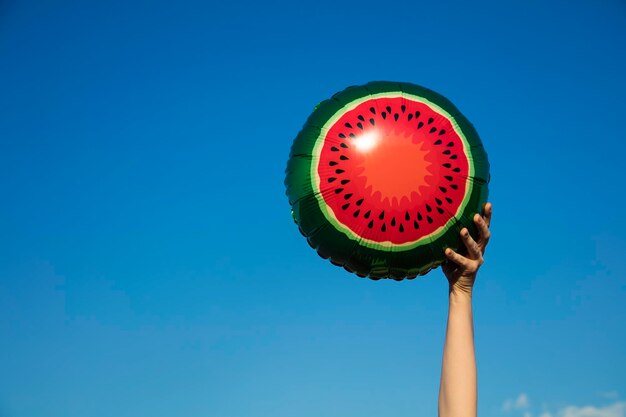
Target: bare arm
{"points": [[458, 392]]}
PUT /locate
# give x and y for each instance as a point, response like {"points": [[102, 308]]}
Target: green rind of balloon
{"points": [[349, 253]]}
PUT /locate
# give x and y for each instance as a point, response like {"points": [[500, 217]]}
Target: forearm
{"points": [[457, 393]]}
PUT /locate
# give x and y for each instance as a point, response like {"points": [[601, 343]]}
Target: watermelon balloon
{"points": [[382, 178]]}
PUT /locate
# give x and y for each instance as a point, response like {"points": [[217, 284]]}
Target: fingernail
{"points": [[448, 251]]}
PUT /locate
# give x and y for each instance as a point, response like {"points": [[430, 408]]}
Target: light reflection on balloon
{"points": [[367, 141]]}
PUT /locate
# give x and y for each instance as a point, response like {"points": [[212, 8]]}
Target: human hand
{"points": [[461, 269]]}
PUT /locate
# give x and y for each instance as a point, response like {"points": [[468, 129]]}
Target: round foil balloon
{"points": [[382, 178]]}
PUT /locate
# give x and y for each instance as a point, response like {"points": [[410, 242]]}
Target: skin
{"points": [[458, 392]]}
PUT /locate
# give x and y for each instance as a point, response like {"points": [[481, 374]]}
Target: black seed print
{"points": [[442, 132], [370, 224], [416, 224], [454, 157], [348, 125], [432, 130], [343, 158], [403, 108], [447, 152], [338, 190], [401, 229], [347, 196], [428, 208], [457, 170], [343, 145], [342, 136], [443, 189], [361, 118], [352, 135], [381, 216], [429, 219], [438, 142], [448, 177], [331, 179], [339, 171], [454, 186], [419, 216], [359, 202], [430, 120], [345, 206], [420, 124], [407, 217], [450, 144], [344, 182], [393, 221], [356, 213], [332, 163], [388, 109], [410, 116], [449, 200], [384, 228], [436, 199], [372, 122], [334, 149], [446, 165], [440, 210], [417, 114], [396, 116], [360, 125], [372, 110], [367, 215], [384, 115]]}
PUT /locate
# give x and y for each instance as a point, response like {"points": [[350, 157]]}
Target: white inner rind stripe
{"points": [[330, 214]]}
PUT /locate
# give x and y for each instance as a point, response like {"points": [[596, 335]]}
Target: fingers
{"points": [[473, 250], [487, 211], [458, 259], [483, 230]]}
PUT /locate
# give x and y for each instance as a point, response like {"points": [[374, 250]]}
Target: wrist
{"points": [[460, 295]]}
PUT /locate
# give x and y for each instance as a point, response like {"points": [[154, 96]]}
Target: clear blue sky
{"points": [[148, 262]]}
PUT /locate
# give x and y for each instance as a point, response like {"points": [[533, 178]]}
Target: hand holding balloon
{"points": [[461, 269]]}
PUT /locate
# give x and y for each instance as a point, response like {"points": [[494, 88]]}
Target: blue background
{"points": [[148, 261]]}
